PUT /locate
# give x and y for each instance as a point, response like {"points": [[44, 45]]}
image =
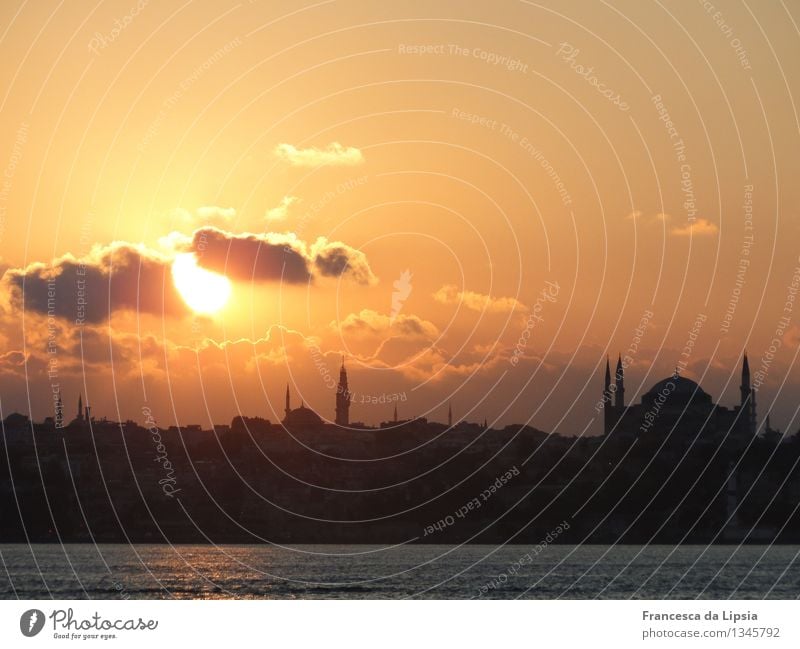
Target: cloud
{"points": [[333, 154], [336, 259], [124, 276], [275, 256], [368, 322], [118, 276], [252, 257], [450, 294], [12, 359], [280, 346], [700, 227], [280, 212], [381, 341]]}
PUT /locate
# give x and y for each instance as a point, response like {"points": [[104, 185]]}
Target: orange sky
{"points": [[640, 156]]}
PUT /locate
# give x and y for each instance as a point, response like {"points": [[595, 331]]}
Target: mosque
{"points": [[677, 407], [303, 418]]}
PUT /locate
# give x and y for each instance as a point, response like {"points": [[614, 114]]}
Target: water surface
{"points": [[356, 572]]}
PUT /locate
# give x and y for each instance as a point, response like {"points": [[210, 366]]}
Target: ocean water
{"points": [[84, 571]]}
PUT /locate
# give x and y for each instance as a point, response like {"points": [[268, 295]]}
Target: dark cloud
{"points": [[249, 257], [335, 259], [129, 277], [274, 256], [119, 276]]}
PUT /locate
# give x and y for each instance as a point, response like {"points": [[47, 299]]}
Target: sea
{"points": [[110, 571]]}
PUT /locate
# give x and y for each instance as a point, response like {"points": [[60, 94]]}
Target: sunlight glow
{"points": [[203, 290]]}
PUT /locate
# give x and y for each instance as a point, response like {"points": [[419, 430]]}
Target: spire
{"points": [[747, 403], [619, 394], [288, 407], [80, 408], [450, 414], [343, 397], [395, 413], [607, 399]]}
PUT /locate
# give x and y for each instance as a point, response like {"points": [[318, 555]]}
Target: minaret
{"points": [[450, 415], [619, 395], [288, 408], [80, 408], [342, 398], [395, 414], [607, 400], [748, 398], [744, 388]]}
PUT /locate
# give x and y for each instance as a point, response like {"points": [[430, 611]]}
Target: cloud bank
{"points": [[118, 276]]}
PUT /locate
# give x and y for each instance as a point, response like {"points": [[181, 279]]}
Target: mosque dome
{"points": [[677, 390], [302, 417]]}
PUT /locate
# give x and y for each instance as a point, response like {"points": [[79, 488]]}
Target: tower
{"points": [[79, 417], [342, 398], [288, 408], [395, 414], [744, 388], [748, 399], [450, 415], [607, 400], [619, 394]]}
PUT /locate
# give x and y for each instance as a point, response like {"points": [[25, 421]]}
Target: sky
{"points": [[472, 203]]}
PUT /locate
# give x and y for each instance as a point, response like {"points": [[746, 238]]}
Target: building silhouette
{"points": [[677, 406], [304, 418], [301, 418]]}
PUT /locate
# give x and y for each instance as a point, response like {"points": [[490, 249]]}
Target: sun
{"points": [[202, 290]]}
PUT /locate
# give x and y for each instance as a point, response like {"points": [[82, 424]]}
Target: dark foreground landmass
{"points": [[410, 481]]}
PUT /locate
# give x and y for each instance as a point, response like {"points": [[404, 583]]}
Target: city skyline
{"points": [[689, 406]]}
